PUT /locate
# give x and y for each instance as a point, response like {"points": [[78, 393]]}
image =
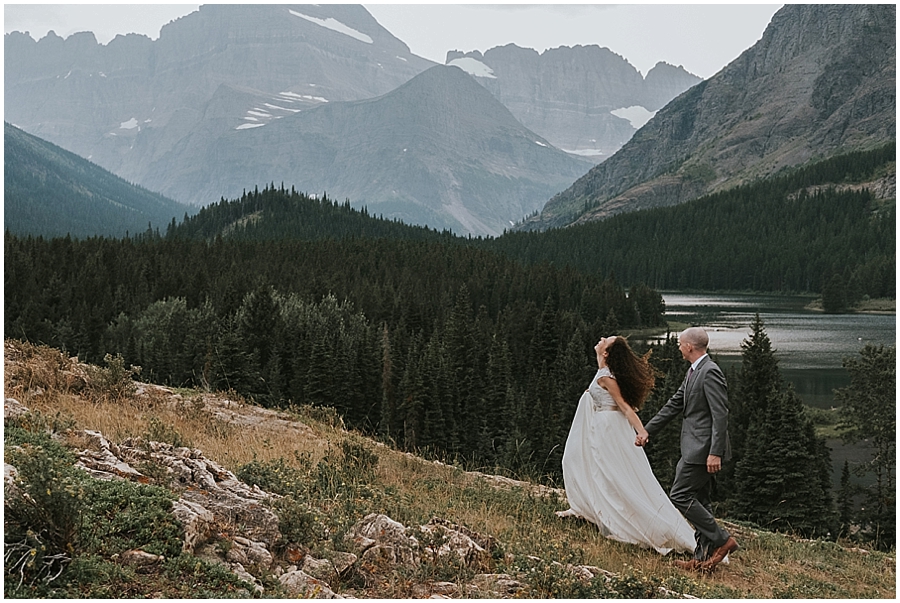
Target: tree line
{"points": [[777, 234]]}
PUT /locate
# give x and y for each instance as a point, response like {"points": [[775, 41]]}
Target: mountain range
{"points": [[322, 98], [177, 115], [821, 81], [585, 99]]}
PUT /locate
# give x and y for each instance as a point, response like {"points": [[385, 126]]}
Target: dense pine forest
{"points": [[443, 347], [791, 233], [474, 350]]}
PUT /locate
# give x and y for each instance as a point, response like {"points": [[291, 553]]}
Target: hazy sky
{"points": [[701, 37]]}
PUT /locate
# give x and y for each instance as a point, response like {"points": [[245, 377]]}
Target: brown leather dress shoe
{"points": [[691, 566], [719, 554]]}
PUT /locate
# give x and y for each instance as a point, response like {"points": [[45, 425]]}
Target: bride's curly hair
{"points": [[633, 373]]}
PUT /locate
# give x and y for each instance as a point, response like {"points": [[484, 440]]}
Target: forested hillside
{"points": [[467, 349], [439, 347], [794, 233], [279, 215], [52, 192], [801, 232]]}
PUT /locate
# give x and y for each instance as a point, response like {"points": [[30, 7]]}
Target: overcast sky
{"points": [[702, 38]]}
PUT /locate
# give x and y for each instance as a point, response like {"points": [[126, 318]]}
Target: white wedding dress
{"points": [[609, 481]]}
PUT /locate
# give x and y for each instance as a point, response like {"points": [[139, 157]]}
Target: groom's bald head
{"points": [[693, 343], [695, 336]]}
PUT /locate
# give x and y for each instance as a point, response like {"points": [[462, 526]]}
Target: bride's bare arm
{"points": [[610, 385]]}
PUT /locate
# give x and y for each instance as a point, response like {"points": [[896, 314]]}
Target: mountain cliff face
{"points": [[822, 80], [574, 97], [439, 150], [131, 102]]}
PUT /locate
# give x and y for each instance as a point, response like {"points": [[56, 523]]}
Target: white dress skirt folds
{"points": [[609, 481]]}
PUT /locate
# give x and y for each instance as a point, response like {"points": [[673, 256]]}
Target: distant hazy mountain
{"points": [[587, 100], [439, 150], [182, 115], [821, 81], [51, 192], [127, 104]]}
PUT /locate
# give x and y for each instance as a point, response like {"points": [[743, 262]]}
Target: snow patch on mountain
{"points": [[335, 25], [294, 95], [637, 115], [473, 67], [271, 106]]}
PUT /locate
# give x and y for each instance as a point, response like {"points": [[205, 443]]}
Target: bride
{"points": [[607, 477]]}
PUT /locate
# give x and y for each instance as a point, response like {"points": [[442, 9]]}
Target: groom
{"points": [[702, 400]]}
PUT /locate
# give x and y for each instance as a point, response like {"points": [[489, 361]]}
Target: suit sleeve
{"points": [[716, 393], [670, 410]]}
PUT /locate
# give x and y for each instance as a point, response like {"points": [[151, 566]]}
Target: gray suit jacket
{"points": [[704, 404]]}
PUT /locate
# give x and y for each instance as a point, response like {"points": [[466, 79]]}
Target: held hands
{"points": [[642, 438]]}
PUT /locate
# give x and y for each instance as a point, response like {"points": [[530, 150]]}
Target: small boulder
{"points": [[139, 558], [322, 569], [300, 584]]}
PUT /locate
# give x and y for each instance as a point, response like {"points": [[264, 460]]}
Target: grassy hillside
{"points": [[306, 454]]}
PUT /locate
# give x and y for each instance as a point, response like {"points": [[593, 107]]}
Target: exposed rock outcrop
{"points": [[226, 521]]}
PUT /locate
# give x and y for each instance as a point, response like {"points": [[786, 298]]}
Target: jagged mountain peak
{"points": [[821, 81], [574, 96]]}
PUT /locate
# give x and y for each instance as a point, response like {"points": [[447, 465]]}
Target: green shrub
{"points": [[278, 476], [157, 431], [37, 422], [64, 519], [297, 522], [41, 524], [121, 515], [115, 381]]}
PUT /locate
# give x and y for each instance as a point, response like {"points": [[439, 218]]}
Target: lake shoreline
{"points": [[869, 306]]}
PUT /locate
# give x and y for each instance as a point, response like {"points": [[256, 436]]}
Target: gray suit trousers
{"points": [[690, 495]]}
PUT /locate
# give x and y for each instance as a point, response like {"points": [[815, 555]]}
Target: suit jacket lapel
{"points": [[695, 377]]}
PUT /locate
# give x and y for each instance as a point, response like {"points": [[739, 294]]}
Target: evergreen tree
{"points": [[757, 382], [777, 481], [410, 410], [494, 400], [845, 502], [834, 295], [869, 411], [387, 423], [435, 397]]}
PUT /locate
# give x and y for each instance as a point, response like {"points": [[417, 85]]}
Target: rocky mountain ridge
{"points": [[584, 99], [129, 103], [821, 81]]}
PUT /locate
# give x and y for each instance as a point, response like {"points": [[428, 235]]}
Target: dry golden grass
{"points": [[233, 433]]}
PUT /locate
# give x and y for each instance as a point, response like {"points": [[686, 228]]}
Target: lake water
{"points": [[810, 346]]}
